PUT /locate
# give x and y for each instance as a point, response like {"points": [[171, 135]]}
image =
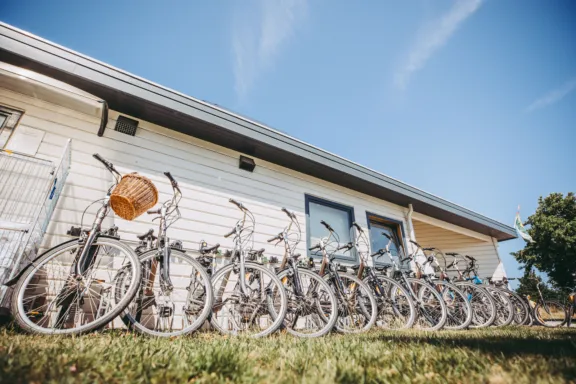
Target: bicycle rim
{"points": [[48, 299], [395, 307], [430, 306]]}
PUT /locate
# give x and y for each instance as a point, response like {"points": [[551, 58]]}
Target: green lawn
{"points": [[510, 355]]}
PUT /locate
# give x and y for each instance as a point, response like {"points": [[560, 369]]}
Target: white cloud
{"points": [[259, 33], [553, 96], [434, 37]]}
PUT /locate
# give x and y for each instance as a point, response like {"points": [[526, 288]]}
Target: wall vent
{"points": [[126, 125]]}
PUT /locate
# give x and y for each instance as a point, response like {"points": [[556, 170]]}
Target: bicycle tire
{"points": [[504, 307], [483, 304], [521, 309], [549, 304], [130, 320], [455, 299], [384, 304], [329, 324], [373, 309], [19, 312], [278, 315], [422, 311]]}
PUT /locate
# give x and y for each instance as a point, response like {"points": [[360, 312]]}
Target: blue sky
{"points": [[474, 101]]}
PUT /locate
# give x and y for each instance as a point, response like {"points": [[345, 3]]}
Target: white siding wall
{"points": [[481, 247], [208, 175]]}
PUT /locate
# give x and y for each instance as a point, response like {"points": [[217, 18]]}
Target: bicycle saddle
{"points": [[146, 235], [383, 267]]}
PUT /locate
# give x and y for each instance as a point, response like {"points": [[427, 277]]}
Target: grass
{"points": [[509, 355]]}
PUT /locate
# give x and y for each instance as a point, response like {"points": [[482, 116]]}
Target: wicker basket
{"points": [[133, 196]]}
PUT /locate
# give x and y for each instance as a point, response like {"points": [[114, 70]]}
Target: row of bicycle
{"points": [[159, 289]]}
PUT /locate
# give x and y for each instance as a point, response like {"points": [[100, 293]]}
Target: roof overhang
{"points": [[143, 99]]}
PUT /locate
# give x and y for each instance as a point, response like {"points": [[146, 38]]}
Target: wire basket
{"points": [[133, 196]]}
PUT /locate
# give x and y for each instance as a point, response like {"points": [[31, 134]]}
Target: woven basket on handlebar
{"points": [[133, 196]]}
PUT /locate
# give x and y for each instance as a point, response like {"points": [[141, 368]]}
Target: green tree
{"points": [[528, 284], [553, 228]]}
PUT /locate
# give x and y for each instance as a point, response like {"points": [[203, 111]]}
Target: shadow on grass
{"points": [[563, 344]]}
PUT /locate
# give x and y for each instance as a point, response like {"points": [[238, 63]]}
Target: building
{"points": [[140, 126]]}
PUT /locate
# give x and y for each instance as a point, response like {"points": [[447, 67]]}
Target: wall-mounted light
{"points": [[247, 163]]}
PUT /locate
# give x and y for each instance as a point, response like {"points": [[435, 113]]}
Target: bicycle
{"points": [[504, 307], [396, 309], [357, 308], [249, 299], [459, 309], [549, 313], [69, 288], [521, 307], [312, 305], [175, 286], [432, 312]]}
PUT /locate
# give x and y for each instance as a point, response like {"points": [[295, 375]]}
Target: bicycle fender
{"points": [[15, 279]]}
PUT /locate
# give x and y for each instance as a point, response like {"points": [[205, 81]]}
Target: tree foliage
{"points": [[528, 284], [553, 228]]}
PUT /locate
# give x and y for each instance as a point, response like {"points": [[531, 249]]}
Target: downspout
{"points": [[104, 118], [411, 234]]}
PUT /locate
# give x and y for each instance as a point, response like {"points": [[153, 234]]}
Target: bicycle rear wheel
{"points": [[257, 312], [162, 312], [521, 310], [50, 299], [551, 314]]}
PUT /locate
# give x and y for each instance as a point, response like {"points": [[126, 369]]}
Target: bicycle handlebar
{"points": [[106, 163], [291, 215], [239, 205], [314, 247], [230, 233], [172, 181], [345, 246], [387, 235], [328, 227], [357, 227], [378, 252], [277, 237], [153, 211], [470, 258], [415, 243]]}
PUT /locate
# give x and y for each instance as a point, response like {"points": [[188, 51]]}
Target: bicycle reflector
{"points": [[571, 298]]}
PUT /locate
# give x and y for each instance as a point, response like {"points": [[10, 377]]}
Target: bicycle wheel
{"points": [[357, 308], [315, 312], [504, 307], [551, 314], [482, 303], [431, 309], [257, 312], [459, 314], [159, 311], [48, 299], [396, 309], [521, 310]]}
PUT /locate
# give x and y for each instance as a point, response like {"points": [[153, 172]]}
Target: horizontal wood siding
{"points": [[208, 176], [484, 251]]}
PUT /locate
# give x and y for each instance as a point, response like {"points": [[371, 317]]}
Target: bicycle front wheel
{"points": [[315, 311], [432, 311], [357, 308], [504, 307], [50, 298], [396, 308], [482, 303], [162, 311], [258, 311], [457, 305]]}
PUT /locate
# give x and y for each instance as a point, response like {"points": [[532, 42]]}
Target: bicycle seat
{"points": [[147, 234], [258, 252], [205, 249], [383, 267]]}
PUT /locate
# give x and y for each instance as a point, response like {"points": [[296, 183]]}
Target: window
{"points": [[8, 120], [340, 218], [392, 228]]}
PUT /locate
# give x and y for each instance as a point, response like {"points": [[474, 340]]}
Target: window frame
{"points": [[400, 237], [352, 256], [9, 112]]}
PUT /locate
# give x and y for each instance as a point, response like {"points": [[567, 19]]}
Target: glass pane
{"points": [[338, 219], [379, 241], [3, 135]]}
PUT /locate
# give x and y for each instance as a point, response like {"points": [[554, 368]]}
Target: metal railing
{"points": [[29, 190]]}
